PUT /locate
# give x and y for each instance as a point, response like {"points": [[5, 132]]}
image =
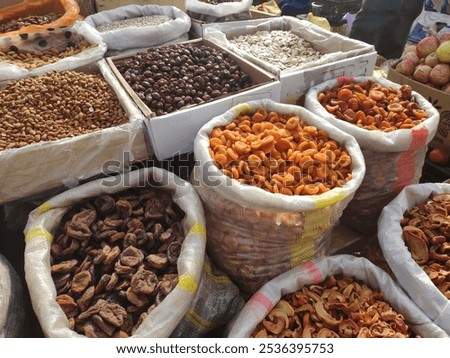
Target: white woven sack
{"points": [[12, 311], [315, 272], [393, 159], [219, 10], [143, 36], [396, 141], [44, 220], [9, 71], [408, 273], [333, 45], [254, 235]]}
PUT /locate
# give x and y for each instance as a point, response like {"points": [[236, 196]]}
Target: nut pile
{"points": [[426, 232], [56, 105], [151, 20], [279, 153], [114, 260], [282, 49], [336, 308], [371, 106], [17, 24], [169, 78], [34, 59]]}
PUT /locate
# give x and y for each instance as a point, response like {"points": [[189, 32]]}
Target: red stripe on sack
{"points": [[405, 167], [313, 271], [259, 299]]}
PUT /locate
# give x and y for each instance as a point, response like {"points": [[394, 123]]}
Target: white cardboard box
{"points": [[198, 27], [37, 168], [344, 56], [174, 133]]}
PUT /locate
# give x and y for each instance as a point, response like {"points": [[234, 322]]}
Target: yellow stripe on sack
{"points": [[39, 232], [198, 229], [44, 208], [329, 199], [242, 108], [188, 283], [316, 223], [217, 279], [197, 320]]}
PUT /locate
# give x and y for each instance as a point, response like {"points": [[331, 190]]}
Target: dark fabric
{"points": [[386, 24]]}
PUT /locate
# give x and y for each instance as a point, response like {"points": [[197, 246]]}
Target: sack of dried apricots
{"points": [[274, 180], [116, 257], [336, 296], [414, 235], [393, 126]]}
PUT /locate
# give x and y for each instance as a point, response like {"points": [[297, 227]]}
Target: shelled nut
{"points": [[56, 105], [139, 21], [282, 49], [34, 59], [17, 24]]}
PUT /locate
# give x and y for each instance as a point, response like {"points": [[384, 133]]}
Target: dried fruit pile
{"points": [[169, 78], [279, 153], [114, 260], [371, 106], [336, 308], [426, 232]]}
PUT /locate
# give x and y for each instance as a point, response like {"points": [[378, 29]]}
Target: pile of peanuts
{"points": [[279, 153], [31, 60], [56, 105], [371, 106], [17, 24], [339, 307]]}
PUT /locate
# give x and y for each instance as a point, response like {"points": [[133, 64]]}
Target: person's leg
{"points": [[394, 36]]}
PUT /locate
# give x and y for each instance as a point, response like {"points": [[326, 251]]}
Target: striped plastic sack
{"points": [[12, 310], [44, 220], [409, 275], [393, 159], [315, 272], [254, 235], [216, 303]]}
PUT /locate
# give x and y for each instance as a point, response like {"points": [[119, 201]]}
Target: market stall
{"points": [[179, 169]]}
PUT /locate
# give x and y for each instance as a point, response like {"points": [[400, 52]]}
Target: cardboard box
{"points": [[198, 27], [102, 5], [346, 57], [40, 167], [174, 133], [439, 99], [258, 14]]}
